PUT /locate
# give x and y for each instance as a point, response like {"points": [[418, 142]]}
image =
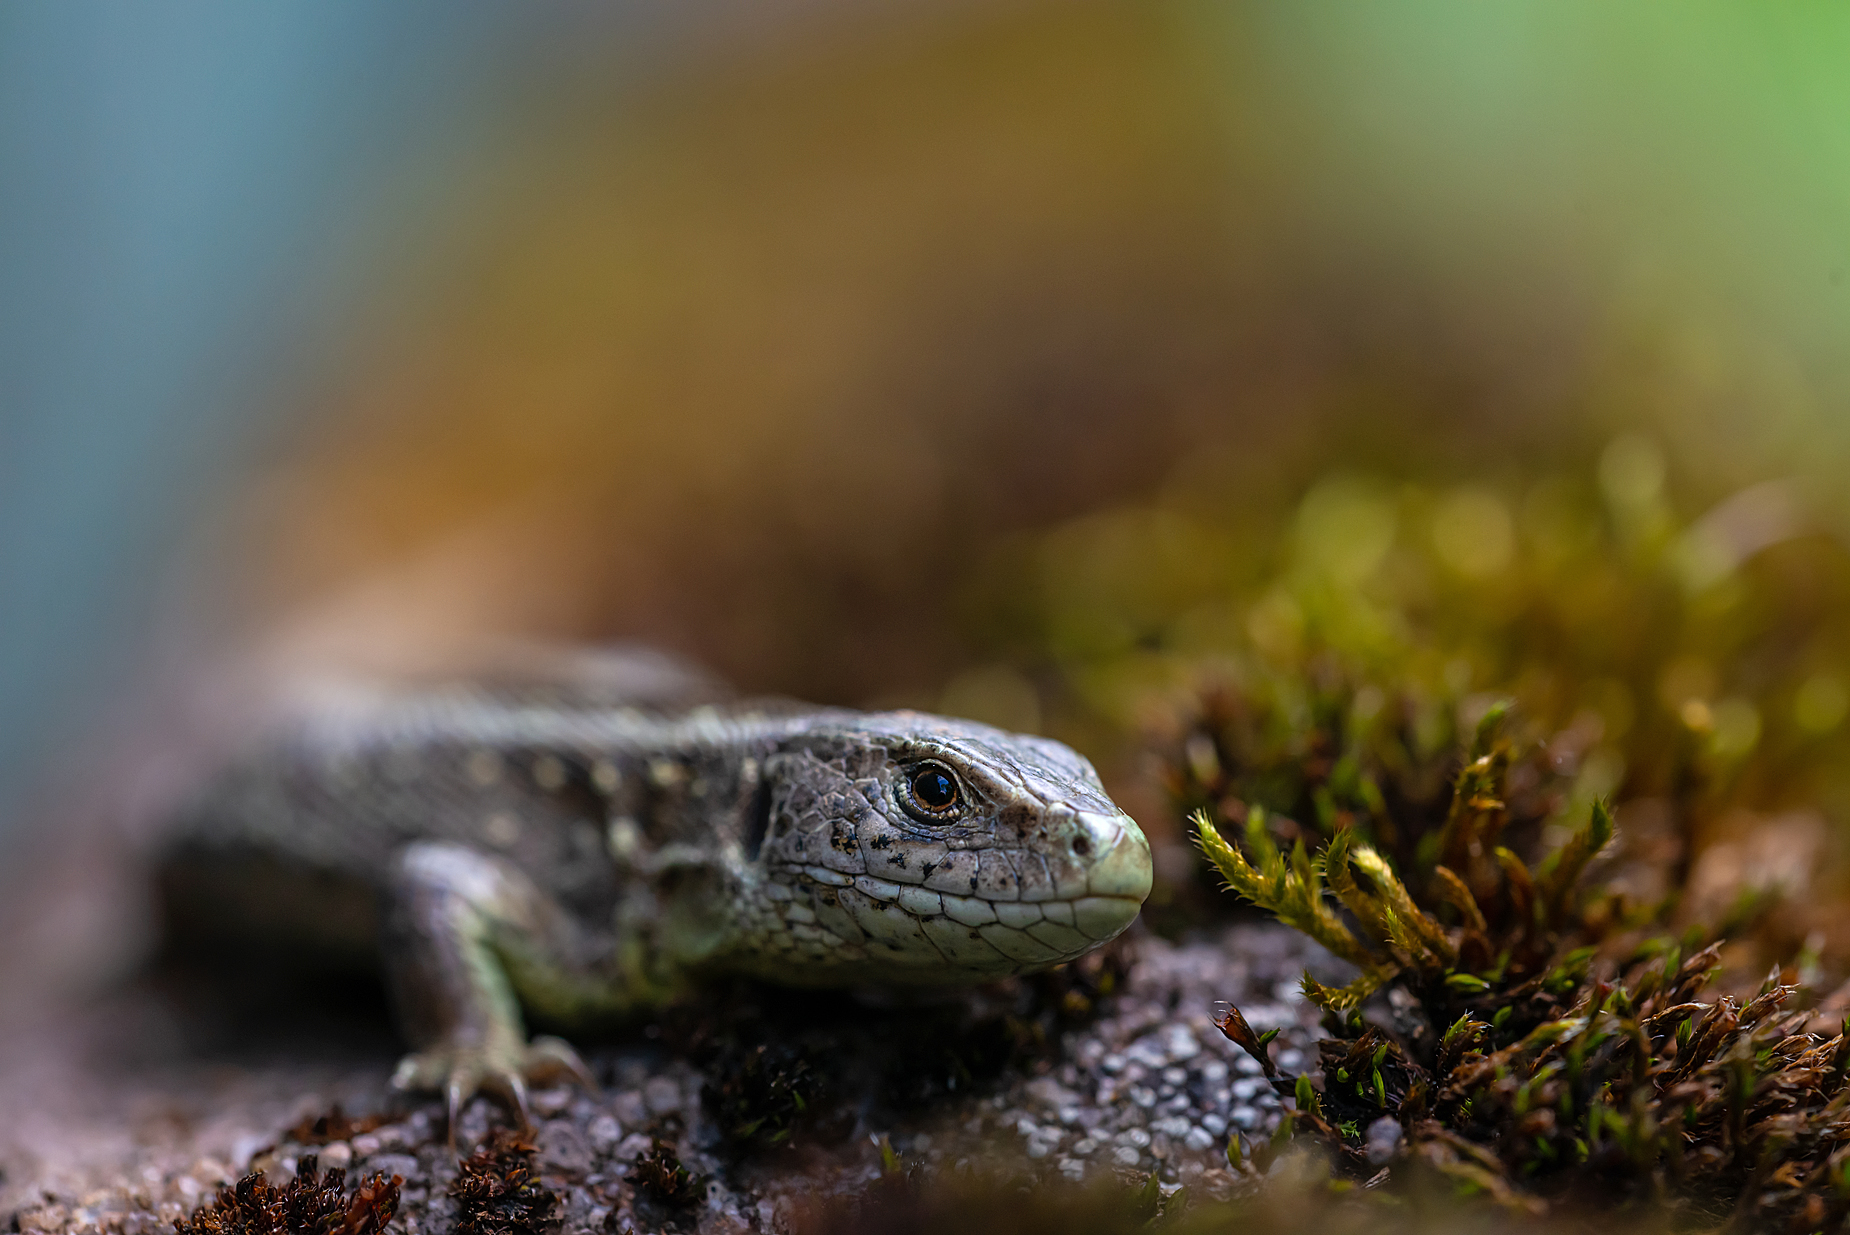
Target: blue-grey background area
{"points": [[179, 186], [170, 177]]}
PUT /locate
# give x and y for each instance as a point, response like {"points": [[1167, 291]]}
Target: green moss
{"points": [[1538, 1048]]}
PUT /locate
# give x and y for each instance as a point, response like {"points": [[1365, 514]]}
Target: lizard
{"points": [[593, 840]]}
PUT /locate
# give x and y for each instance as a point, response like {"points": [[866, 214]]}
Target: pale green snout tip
{"points": [[1118, 878]]}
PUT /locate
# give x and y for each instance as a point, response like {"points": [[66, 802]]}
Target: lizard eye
{"points": [[932, 793]]}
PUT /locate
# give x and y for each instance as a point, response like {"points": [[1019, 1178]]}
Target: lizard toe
{"points": [[459, 1072], [510, 1086], [502, 1070], [553, 1059], [420, 1071]]}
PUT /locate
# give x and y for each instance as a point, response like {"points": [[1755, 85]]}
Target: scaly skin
{"points": [[507, 849]]}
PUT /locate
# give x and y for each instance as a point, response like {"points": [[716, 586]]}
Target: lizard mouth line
{"points": [[1110, 912], [908, 925]]}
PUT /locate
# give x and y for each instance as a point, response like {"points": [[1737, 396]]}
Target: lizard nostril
{"points": [[1082, 846]]}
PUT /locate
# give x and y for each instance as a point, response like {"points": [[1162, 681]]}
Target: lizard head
{"points": [[902, 847]]}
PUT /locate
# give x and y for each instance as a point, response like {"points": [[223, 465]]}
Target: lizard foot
{"points": [[503, 1069]]}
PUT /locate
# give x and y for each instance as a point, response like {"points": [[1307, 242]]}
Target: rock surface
{"points": [[114, 1124]]}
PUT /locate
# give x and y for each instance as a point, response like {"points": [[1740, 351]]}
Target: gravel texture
{"points": [[116, 1123]]}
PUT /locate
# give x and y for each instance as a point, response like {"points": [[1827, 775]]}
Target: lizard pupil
{"points": [[934, 788]]}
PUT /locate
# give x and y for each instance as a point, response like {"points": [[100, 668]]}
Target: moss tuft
{"points": [[1529, 1040], [658, 1173], [310, 1204], [498, 1190]]}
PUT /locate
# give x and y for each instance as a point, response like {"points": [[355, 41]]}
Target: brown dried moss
{"points": [[498, 1190], [310, 1204], [658, 1172], [330, 1126]]}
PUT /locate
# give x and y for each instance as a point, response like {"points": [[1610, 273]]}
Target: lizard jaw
{"points": [[1103, 918]]}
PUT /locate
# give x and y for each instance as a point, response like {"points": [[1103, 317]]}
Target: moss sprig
{"points": [[1534, 1056]]}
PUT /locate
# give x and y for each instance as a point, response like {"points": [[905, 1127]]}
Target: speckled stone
{"points": [[1147, 1085]]}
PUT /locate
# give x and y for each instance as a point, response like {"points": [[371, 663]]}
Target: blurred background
{"points": [[1036, 362]]}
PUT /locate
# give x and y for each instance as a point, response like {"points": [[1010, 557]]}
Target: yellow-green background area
{"points": [[1034, 361]]}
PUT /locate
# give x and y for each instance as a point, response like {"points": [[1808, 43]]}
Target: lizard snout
{"points": [[1118, 872], [1116, 854]]}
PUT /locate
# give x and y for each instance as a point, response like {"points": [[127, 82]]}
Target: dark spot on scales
{"points": [[973, 883], [880, 842], [898, 859], [758, 820], [926, 868]]}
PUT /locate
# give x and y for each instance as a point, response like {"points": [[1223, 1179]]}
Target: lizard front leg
{"points": [[469, 939]]}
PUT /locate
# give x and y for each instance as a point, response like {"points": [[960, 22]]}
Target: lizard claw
{"points": [[462, 1071], [463, 1086]]}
